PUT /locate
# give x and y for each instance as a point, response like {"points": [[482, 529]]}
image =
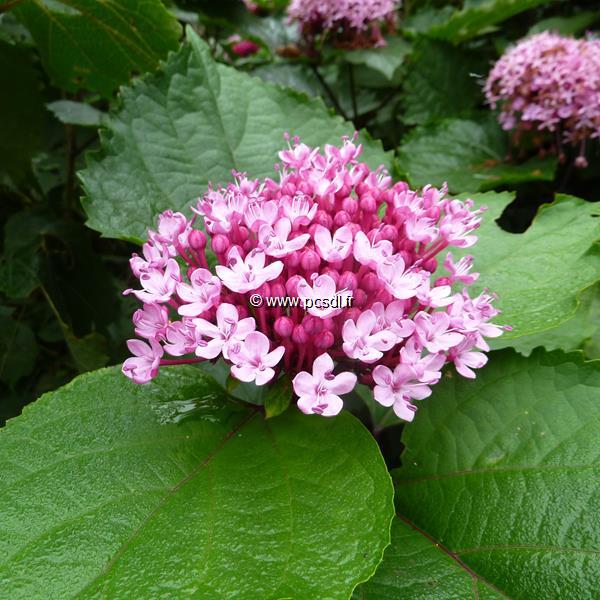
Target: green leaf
{"points": [[18, 349], [278, 397], [190, 124], [386, 60], [96, 44], [439, 84], [478, 17], [572, 25], [296, 76], [417, 567], [76, 113], [111, 489], [21, 109], [468, 155], [539, 274], [582, 331], [503, 472]]}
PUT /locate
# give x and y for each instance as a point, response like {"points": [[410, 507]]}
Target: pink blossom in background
{"points": [[326, 229], [355, 22], [549, 82]]}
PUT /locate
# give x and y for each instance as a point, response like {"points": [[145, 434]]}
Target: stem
{"points": [[71, 156], [567, 176], [352, 90], [362, 119], [164, 362], [329, 91]]}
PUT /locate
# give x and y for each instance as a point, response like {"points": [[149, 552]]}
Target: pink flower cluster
{"points": [[549, 82], [346, 20], [328, 227]]}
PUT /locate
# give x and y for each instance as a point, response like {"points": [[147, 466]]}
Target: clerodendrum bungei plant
{"points": [[552, 83], [346, 22], [354, 259]]}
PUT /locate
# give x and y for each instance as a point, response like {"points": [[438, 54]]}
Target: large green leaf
{"points": [[386, 60], [581, 331], [475, 18], [539, 274], [439, 84], [572, 25], [470, 155], [190, 124], [418, 567], [107, 490], [503, 474], [98, 44]]}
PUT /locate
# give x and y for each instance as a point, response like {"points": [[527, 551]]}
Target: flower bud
{"points": [[430, 265], [388, 232], [324, 340], [360, 298], [291, 285], [219, 243], [370, 282], [299, 336], [323, 218], [278, 289], [368, 203], [242, 233], [284, 326], [350, 205], [347, 281], [341, 218], [310, 260], [197, 239], [312, 325]]}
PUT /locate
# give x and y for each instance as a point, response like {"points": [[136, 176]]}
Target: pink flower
{"points": [[322, 299], [362, 342], [151, 321], [370, 254], [349, 20], [460, 271], [465, 359], [181, 338], [393, 318], [201, 295], [551, 83], [274, 240], [433, 332], [244, 275], [155, 258], [173, 229], [230, 329], [300, 210], [252, 360], [143, 366], [245, 48], [259, 213], [401, 282], [421, 228], [397, 388], [318, 393], [158, 285], [356, 254], [434, 297], [336, 248]]}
